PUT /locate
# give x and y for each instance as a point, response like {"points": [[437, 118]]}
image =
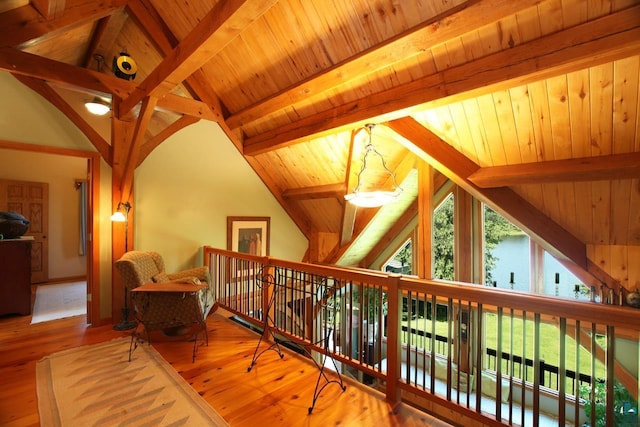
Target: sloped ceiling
{"points": [[530, 105]]}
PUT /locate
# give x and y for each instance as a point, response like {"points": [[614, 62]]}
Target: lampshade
{"points": [[122, 212], [97, 106], [118, 216], [363, 195], [372, 199]]}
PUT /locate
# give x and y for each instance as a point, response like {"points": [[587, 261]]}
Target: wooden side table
{"points": [[167, 305]]}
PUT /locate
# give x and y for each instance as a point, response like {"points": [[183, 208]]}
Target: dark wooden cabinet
{"points": [[15, 276]]}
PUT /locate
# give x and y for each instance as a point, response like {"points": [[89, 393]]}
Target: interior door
{"points": [[31, 200]]}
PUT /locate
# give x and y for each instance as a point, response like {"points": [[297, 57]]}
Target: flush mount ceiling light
{"points": [[368, 195], [97, 106]]}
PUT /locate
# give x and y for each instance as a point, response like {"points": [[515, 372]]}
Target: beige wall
{"points": [[187, 187]]}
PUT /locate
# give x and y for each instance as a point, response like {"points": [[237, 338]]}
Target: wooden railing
{"points": [[424, 341]]}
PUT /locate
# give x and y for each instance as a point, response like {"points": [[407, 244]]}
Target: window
{"points": [[560, 282], [401, 261], [443, 240], [506, 253]]}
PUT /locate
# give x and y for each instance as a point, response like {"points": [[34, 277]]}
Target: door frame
{"points": [[93, 219]]}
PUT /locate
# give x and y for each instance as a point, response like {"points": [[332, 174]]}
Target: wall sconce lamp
{"points": [[372, 198], [97, 106], [122, 215]]}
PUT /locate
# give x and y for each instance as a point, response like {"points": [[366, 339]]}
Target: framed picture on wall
{"points": [[248, 234]]}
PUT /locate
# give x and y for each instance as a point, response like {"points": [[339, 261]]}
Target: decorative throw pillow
{"points": [[161, 278]]}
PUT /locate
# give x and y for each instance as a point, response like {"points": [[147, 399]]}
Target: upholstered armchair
{"points": [[165, 301], [139, 267]]}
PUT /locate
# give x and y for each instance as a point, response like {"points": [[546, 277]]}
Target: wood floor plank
{"points": [[275, 392]]}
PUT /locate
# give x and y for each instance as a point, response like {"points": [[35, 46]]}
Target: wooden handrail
{"points": [[455, 295]]}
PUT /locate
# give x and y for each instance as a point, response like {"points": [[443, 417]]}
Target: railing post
{"points": [[393, 339], [268, 285], [541, 372]]}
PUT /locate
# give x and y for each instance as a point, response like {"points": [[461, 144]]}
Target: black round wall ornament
{"points": [[124, 66]]}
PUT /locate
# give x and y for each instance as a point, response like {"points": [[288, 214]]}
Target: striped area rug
{"points": [[97, 386]]}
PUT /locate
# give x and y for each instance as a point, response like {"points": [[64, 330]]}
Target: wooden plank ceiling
{"points": [[538, 99]]}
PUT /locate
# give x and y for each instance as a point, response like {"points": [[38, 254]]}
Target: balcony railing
{"points": [[429, 342]]}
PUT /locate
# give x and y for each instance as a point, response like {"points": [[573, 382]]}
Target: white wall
{"points": [[187, 187]]}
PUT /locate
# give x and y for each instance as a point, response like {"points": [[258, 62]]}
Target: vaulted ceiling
{"points": [[530, 105]]}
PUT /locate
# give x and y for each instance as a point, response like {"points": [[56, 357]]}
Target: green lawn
{"points": [[513, 343]]}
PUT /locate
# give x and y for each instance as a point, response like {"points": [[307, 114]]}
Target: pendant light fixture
{"points": [[367, 195]]}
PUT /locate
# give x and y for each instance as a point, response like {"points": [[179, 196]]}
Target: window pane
{"points": [[400, 262], [443, 240], [560, 282], [506, 253]]}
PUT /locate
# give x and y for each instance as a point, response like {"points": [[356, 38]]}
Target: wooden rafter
{"points": [[451, 24], [25, 24], [49, 9], [221, 25], [142, 124], [603, 40], [459, 168]]}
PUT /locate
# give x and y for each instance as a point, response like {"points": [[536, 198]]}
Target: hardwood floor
{"points": [[275, 392]]}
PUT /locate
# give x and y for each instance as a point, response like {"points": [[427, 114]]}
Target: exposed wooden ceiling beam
{"points": [[148, 19], [126, 185], [22, 63], [24, 26], [49, 9], [446, 26], [459, 168], [603, 40], [617, 166], [96, 37], [336, 191], [222, 24]]}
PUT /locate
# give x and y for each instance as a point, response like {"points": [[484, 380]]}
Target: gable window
{"points": [[402, 260]]}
